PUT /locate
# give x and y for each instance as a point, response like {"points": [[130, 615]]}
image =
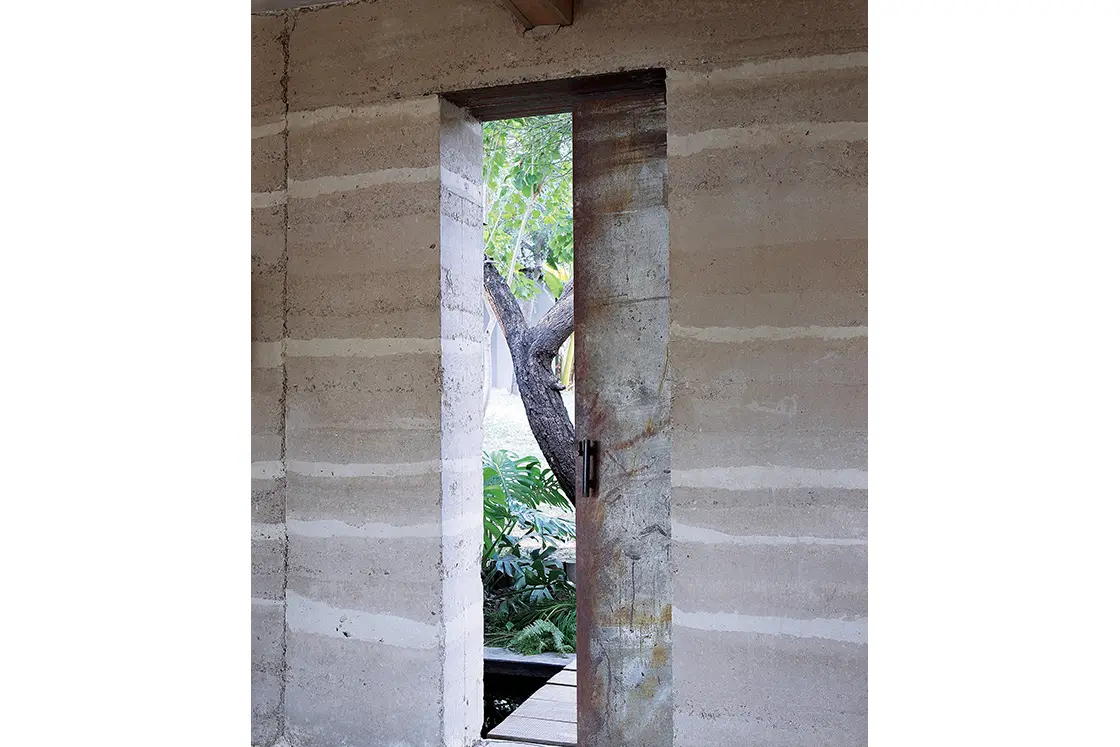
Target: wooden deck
{"points": [[548, 717]]}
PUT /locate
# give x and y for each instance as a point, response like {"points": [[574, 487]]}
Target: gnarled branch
{"points": [[554, 327], [532, 350]]}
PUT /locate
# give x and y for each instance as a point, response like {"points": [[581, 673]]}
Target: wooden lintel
{"points": [[553, 96], [541, 12]]}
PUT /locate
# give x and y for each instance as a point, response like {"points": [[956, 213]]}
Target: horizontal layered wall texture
{"points": [[362, 354], [366, 319], [768, 267], [269, 485], [367, 420]]}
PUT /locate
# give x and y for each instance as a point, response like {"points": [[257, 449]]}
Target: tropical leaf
{"points": [[552, 279], [523, 480]]}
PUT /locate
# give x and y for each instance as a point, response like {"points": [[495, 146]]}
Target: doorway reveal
{"points": [[624, 673], [528, 557]]}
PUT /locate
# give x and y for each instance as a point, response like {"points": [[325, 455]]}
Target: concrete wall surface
{"points": [[365, 327]]}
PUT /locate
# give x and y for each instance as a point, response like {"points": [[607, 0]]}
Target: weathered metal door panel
{"points": [[622, 401]]}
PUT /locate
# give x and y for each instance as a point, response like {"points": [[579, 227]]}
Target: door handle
{"points": [[589, 450]]}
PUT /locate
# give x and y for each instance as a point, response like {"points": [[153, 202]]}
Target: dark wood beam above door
{"points": [[541, 12]]}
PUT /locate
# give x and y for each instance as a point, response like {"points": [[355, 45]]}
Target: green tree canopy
{"points": [[528, 179]]}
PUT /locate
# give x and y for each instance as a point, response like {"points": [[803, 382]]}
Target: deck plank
{"points": [[536, 731], [547, 710], [558, 693], [564, 677], [548, 717]]}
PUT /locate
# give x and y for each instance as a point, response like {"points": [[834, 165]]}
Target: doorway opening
{"points": [[529, 532], [554, 209]]}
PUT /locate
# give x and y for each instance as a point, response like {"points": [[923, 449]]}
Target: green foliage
{"points": [[519, 540], [502, 626], [539, 636], [529, 603], [512, 490], [523, 479], [527, 174], [523, 581]]}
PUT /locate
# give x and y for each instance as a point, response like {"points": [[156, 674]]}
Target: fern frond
{"points": [[534, 638]]}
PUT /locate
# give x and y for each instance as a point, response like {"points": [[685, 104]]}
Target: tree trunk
{"points": [[533, 349]]}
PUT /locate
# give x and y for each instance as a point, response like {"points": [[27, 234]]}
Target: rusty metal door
{"points": [[625, 696]]}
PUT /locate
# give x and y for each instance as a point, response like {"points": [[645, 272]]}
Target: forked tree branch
{"points": [[532, 350]]}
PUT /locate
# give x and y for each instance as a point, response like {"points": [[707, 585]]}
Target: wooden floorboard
{"points": [[559, 693], [548, 717], [536, 731], [547, 710], [564, 677], [504, 661]]}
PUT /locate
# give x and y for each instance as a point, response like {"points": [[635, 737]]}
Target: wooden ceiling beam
{"points": [[541, 12]]}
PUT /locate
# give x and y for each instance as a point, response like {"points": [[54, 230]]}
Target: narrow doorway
{"points": [[529, 476], [610, 271]]}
